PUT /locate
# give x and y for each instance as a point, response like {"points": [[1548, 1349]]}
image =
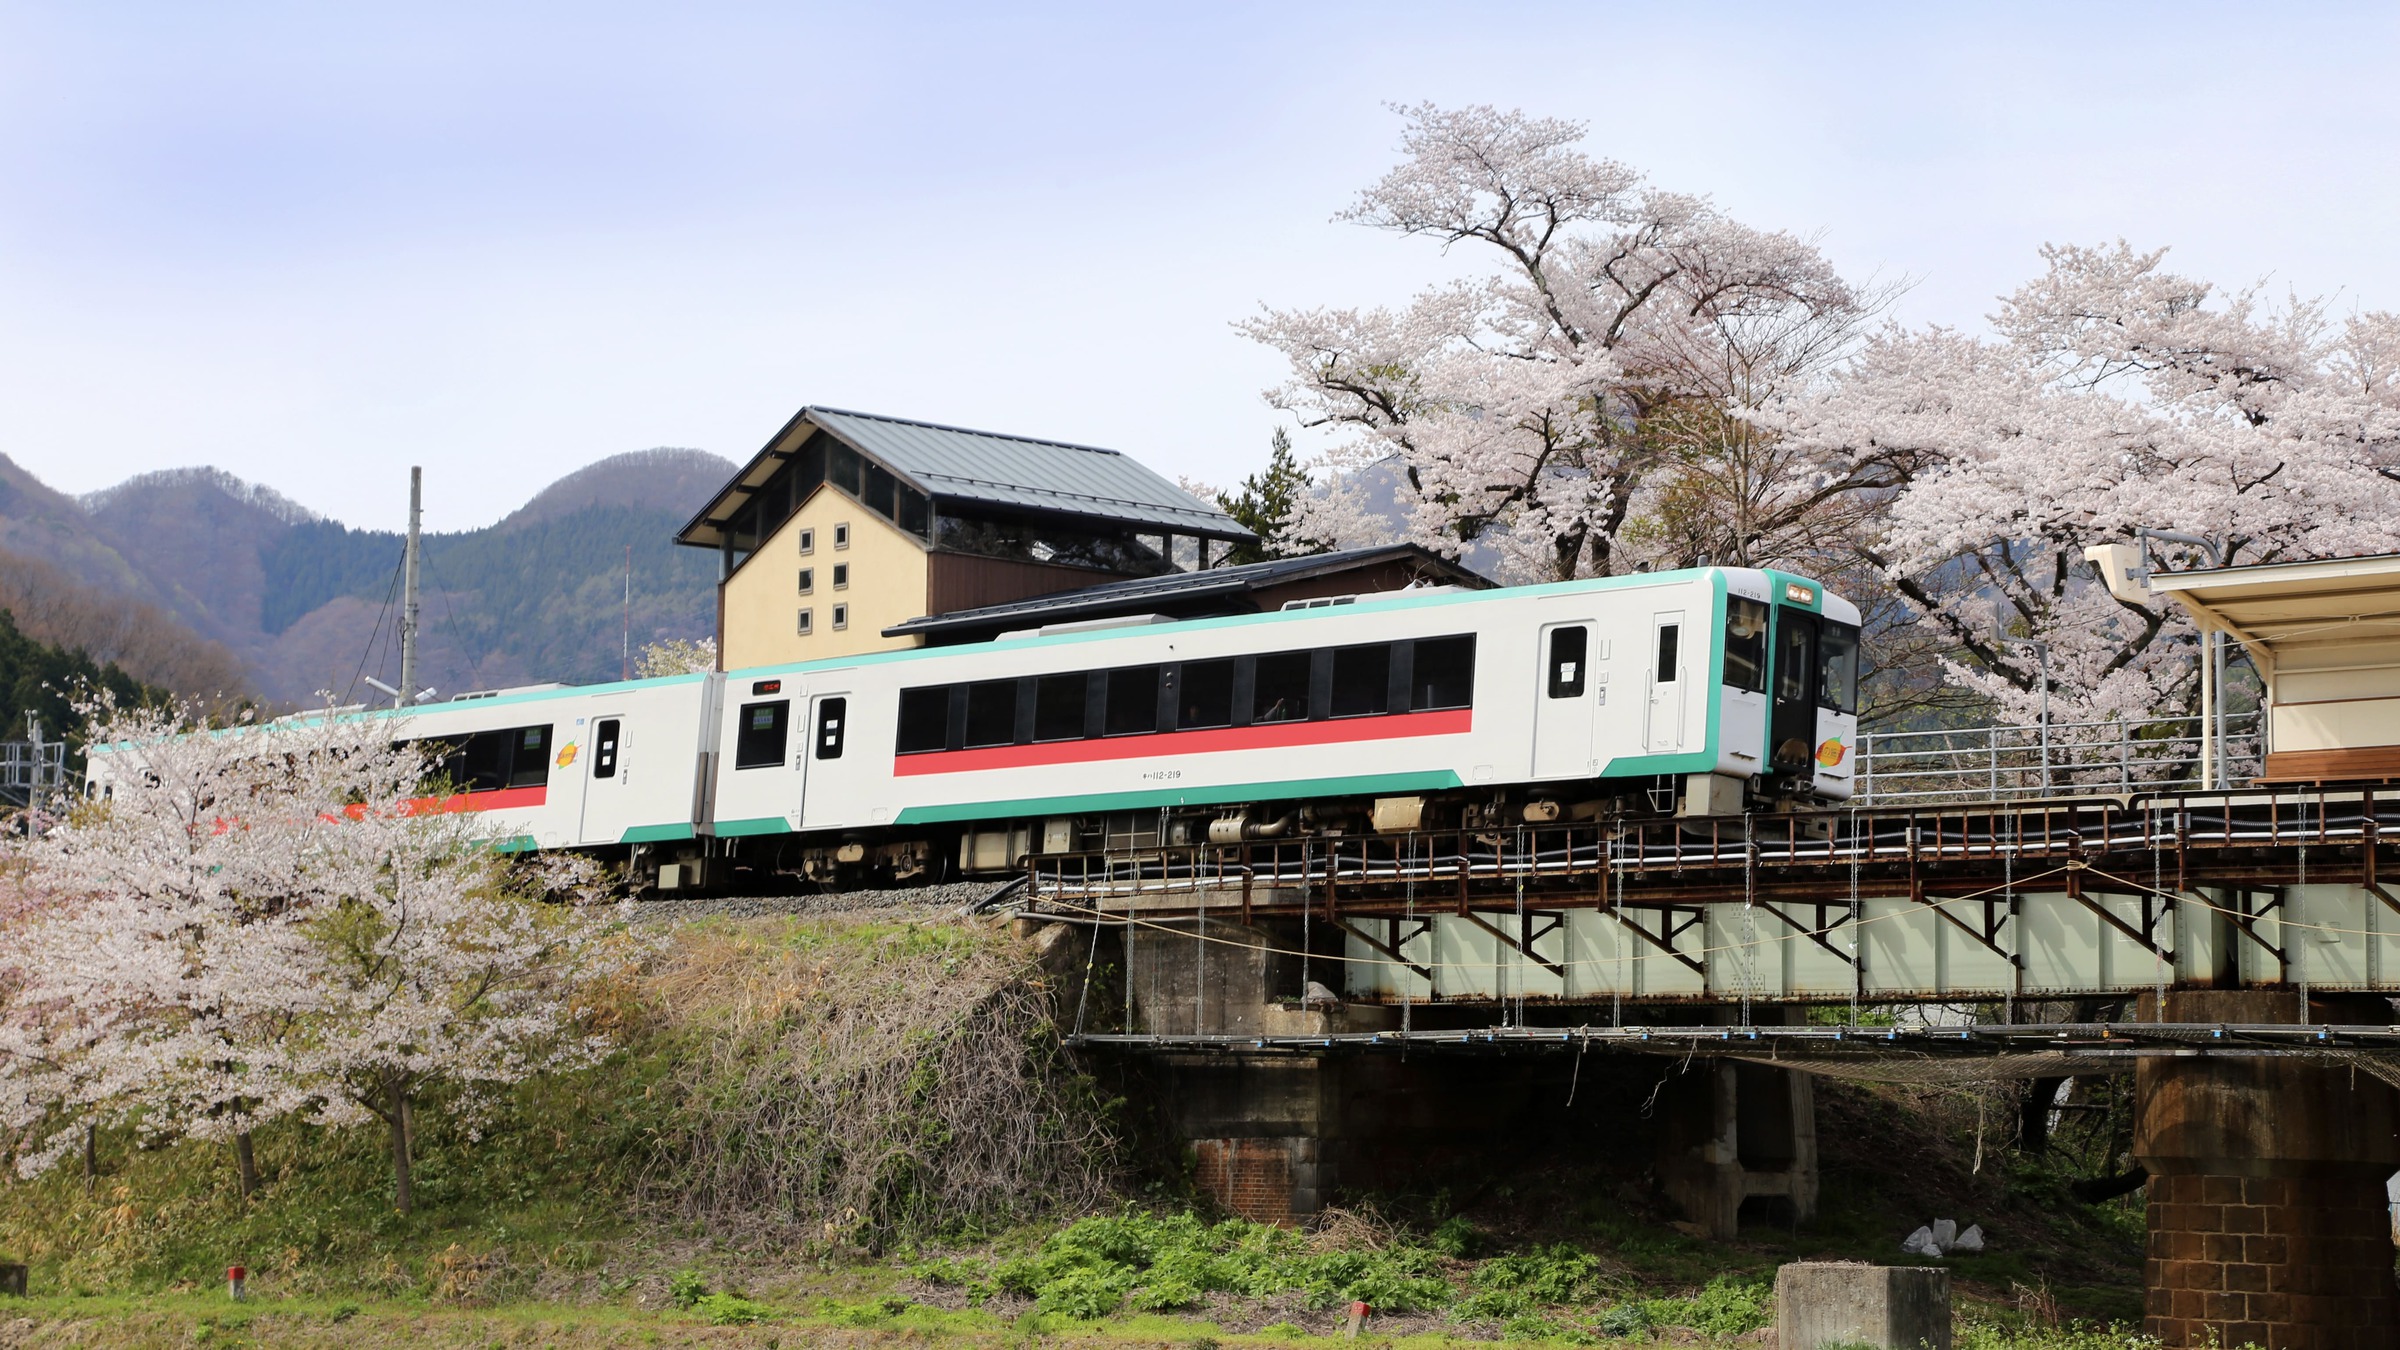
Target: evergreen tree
{"points": [[1265, 506]]}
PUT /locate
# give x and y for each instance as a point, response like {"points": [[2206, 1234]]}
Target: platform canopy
{"points": [[2325, 637]]}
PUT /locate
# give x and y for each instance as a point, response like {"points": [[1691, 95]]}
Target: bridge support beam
{"points": [[2267, 1210]]}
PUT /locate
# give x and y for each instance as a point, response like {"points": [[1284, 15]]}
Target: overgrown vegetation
{"points": [[849, 1083]]}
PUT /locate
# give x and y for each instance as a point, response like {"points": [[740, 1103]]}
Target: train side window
{"points": [[924, 720], [1362, 678], [1058, 707], [761, 736], [1746, 644], [1444, 674], [831, 714], [604, 748], [1204, 695], [992, 713], [1280, 689], [1132, 702], [531, 763], [1670, 635], [1568, 668], [1837, 667]]}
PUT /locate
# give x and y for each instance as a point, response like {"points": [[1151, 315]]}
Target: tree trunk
{"points": [[91, 1156], [246, 1163], [401, 1198], [2033, 1120]]}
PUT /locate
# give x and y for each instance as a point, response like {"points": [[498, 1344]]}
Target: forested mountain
{"points": [[44, 680], [201, 582]]}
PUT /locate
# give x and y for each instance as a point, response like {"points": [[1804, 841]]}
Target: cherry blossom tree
{"points": [[1581, 404], [2112, 395], [260, 922]]}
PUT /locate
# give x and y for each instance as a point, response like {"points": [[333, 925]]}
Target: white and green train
{"points": [[1707, 691]]}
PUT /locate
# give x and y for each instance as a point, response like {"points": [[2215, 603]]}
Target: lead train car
{"points": [[1715, 688]]}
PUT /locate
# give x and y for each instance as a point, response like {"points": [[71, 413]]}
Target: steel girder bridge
{"points": [[1980, 902]]}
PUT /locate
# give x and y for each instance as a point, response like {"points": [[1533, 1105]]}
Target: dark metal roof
{"points": [[954, 465], [1181, 594]]}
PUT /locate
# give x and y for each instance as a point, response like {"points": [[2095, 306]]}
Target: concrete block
{"points": [[1828, 1303]]}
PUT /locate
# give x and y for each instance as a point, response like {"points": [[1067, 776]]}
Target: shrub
{"points": [[731, 1310]]}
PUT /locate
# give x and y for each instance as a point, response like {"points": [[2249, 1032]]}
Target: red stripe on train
{"points": [[1273, 736], [500, 799]]}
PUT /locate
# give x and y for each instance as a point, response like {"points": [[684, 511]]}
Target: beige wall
{"points": [[762, 600]]}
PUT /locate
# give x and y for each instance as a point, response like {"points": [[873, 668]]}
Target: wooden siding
{"points": [[956, 581]]}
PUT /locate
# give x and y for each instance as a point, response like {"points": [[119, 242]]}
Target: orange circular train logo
{"points": [[1832, 752], [566, 754]]}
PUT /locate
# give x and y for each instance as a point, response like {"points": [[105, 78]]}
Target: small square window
{"points": [[808, 622], [841, 616], [808, 541], [841, 535], [841, 576], [808, 580]]}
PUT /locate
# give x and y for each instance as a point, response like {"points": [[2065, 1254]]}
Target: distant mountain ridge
{"points": [[305, 603]]}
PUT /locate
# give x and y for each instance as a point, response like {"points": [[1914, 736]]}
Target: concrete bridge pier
{"points": [[1734, 1133], [2267, 1210], [1268, 1132]]}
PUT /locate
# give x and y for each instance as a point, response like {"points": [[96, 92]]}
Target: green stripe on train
{"points": [[1358, 786], [727, 829], [655, 834]]}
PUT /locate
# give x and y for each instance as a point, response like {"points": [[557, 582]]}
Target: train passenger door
{"points": [[1792, 721], [1667, 662], [821, 765], [1563, 707], [609, 806]]}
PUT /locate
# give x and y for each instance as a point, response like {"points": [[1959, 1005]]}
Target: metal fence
{"points": [[2001, 763], [31, 770]]}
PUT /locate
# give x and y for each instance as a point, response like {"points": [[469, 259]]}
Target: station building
{"points": [[851, 532]]}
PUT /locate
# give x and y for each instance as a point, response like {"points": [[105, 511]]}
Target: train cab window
{"points": [[831, 714], [1568, 669], [1746, 644], [1058, 707], [1443, 675], [1362, 678], [1837, 667], [1670, 654], [992, 713], [1794, 661], [760, 737], [1132, 702], [604, 747], [1279, 691], [924, 720], [1204, 695]]}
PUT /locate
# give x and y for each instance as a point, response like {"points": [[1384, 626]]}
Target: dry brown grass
{"points": [[845, 1079]]}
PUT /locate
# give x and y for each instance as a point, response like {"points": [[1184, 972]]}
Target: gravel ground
{"points": [[910, 900]]}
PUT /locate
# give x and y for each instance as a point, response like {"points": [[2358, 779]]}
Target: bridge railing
{"points": [[2013, 762], [1436, 866]]}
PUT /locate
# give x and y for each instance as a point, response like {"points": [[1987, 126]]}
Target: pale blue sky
{"points": [[312, 244]]}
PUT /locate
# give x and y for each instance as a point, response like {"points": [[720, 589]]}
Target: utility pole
{"points": [[408, 603]]}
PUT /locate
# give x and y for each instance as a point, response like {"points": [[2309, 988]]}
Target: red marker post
{"points": [[235, 1278], [1359, 1313]]}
